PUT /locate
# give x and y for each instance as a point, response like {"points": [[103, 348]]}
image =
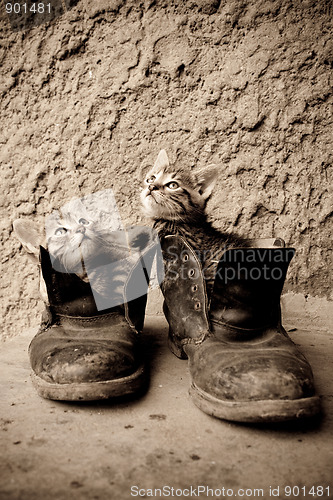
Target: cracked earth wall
{"points": [[90, 97]]}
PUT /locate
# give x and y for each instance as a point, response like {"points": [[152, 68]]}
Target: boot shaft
{"points": [[246, 293], [71, 297], [248, 286]]}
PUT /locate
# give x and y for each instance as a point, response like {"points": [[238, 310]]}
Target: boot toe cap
{"points": [[73, 359], [257, 376], [85, 363]]}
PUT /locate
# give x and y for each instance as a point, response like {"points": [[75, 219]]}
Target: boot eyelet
{"points": [[191, 273], [185, 257], [197, 306], [194, 288]]}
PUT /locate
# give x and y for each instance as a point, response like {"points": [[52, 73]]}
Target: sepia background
{"points": [[87, 101], [89, 98]]}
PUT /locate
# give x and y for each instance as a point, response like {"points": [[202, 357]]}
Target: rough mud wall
{"points": [[90, 97]]}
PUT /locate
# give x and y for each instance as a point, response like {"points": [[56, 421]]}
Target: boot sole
{"points": [[92, 391], [255, 411]]}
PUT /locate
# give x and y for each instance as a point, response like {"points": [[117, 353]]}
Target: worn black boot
{"points": [[243, 365], [83, 353]]}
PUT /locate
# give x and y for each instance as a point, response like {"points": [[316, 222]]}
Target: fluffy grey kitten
{"points": [[82, 242]]}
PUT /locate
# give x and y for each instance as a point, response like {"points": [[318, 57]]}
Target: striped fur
{"points": [[175, 199], [84, 243]]}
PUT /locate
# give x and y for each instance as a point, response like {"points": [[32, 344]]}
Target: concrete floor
{"points": [[53, 450]]}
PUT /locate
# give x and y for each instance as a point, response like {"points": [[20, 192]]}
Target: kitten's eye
{"points": [[60, 231], [150, 179], [172, 185], [84, 222]]}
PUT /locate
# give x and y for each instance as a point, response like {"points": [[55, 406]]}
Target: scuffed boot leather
{"points": [[81, 353], [243, 365]]}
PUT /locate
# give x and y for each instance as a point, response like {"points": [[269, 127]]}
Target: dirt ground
{"points": [[53, 450], [92, 96]]}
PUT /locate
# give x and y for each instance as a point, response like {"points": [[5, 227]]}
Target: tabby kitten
{"points": [[76, 237], [85, 242], [175, 199]]}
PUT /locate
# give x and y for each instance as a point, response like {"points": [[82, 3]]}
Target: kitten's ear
{"points": [[161, 163], [206, 180], [162, 160], [30, 236]]}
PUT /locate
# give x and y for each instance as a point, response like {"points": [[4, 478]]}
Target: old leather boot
{"points": [[82, 353], [243, 365]]}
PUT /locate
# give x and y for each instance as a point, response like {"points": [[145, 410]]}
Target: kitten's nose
{"points": [[81, 229], [152, 187]]}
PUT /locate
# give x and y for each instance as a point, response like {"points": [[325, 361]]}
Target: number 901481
{"points": [[26, 14], [24, 8]]}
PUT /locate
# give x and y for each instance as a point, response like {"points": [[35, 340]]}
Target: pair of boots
{"points": [[243, 365]]}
